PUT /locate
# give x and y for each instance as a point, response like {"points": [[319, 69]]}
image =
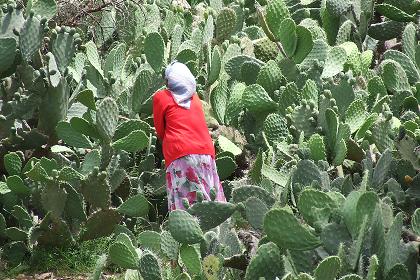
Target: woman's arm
{"points": [[158, 117]]}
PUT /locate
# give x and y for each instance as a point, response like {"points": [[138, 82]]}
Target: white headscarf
{"points": [[181, 83]]}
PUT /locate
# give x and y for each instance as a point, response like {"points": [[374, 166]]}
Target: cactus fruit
{"points": [[285, 230]]}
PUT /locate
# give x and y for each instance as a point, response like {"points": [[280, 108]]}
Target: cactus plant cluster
{"points": [[324, 94]]}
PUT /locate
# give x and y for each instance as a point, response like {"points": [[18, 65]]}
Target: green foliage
{"points": [[308, 98]]}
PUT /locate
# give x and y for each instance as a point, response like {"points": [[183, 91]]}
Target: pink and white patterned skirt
{"points": [[189, 174]]}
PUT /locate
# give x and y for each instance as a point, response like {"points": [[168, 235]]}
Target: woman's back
{"points": [[182, 131]]}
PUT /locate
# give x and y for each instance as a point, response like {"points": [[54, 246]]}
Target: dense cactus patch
{"points": [[314, 108]]}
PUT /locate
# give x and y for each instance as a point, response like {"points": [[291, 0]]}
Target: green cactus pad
{"points": [[210, 214], [356, 115], [255, 210], [44, 8], [211, 267], [304, 44], [406, 63], [241, 194], [386, 30], [306, 173], [228, 146], [328, 269], [267, 263], [53, 199], [257, 100], [409, 41], [310, 199], [71, 136], [135, 206], [214, 66], [7, 53], [275, 126], [382, 169], [169, 245], [218, 98], [285, 230], [337, 8], [12, 163], [234, 64], [265, 49], [24, 219], [154, 48], [16, 185], [225, 24], [30, 38], [121, 255], [393, 13], [136, 141], [373, 268], [149, 267], [334, 63], [150, 240], [107, 118], [225, 167], [415, 221], [191, 259], [52, 231], [234, 104], [184, 227], [249, 72], [317, 147], [276, 11], [95, 226], [96, 190], [270, 77], [287, 36]]}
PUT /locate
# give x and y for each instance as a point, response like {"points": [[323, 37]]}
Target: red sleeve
{"points": [[158, 116]]}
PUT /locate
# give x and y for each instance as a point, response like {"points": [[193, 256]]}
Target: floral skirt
{"points": [[187, 175]]}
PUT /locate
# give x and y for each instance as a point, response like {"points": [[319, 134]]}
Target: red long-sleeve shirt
{"points": [[181, 131]]}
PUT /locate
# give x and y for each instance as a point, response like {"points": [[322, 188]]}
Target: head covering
{"points": [[181, 83]]}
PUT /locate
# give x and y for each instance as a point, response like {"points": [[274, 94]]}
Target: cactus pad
{"points": [[107, 118], [267, 263], [285, 230], [184, 227], [149, 267], [154, 48], [210, 214], [225, 24], [95, 226], [257, 100], [135, 206]]}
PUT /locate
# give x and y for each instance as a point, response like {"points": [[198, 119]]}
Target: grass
{"points": [[77, 259]]}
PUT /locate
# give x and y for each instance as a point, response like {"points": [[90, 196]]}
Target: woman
{"points": [[187, 146]]}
